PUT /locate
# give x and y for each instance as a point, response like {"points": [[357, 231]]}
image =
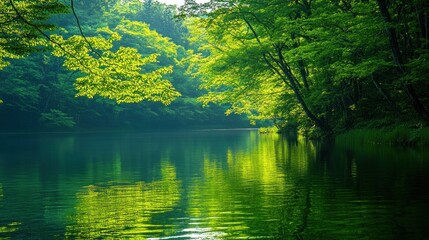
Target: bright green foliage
{"points": [[116, 74], [251, 62], [129, 51], [159, 17], [319, 64], [328, 65], [18, 38], [110, 71], [140, 31]]}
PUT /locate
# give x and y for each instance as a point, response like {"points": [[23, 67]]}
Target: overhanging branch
{"points": [[80, 28]]}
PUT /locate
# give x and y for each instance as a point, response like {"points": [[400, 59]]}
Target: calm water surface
{"points": [[208, 185]]}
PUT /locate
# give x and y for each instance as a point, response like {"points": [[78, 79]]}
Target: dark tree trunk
{"points": [[385, 95], [292, 82], [319, 123], [399, 61], [303, 72], [286, 75], [417, 104], [391, 33]]}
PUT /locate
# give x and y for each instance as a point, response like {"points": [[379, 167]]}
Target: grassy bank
{"points": [[399, 135]]}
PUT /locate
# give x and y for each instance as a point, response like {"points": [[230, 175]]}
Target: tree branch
{"points": [[80, 28], [49, 38], [35, 26]]}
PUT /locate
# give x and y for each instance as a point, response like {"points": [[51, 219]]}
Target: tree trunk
{"points": [[303, 72], [391, 33], [319, 123], [417, 104], [399, 61], [386, 95], [293, 84], [291, 81]]}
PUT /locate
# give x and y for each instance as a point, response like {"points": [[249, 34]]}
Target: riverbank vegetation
{"points": [[396, 135], [313, 67]]}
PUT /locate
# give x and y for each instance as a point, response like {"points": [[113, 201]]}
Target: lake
{"points": [[234, 184]]}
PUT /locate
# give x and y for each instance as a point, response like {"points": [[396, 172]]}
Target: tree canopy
{"points": [[22, 23], [325, 64], [100, 50], [313, 66], [116, 74]]}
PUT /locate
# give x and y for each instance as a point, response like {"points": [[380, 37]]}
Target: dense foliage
{"points": [[128, 51], [320, 66]]}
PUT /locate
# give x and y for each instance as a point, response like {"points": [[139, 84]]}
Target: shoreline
{"points": [[397, 136]]}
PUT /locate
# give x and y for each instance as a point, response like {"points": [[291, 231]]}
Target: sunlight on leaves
{"points": [[18, 39], [114, 73]]}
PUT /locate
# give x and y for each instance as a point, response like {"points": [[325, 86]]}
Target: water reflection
{"points": [[209, 185], [275, 188], [251, 191], [6, 229], [116, 210]]}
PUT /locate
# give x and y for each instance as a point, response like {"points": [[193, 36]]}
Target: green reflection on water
{"points": [[8, 228], [234, 201], [232, 185], [300, 189], [125, 210]]}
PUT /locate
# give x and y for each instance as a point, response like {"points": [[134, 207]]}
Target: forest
{"points": [[312, 67], [214, 119]]}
